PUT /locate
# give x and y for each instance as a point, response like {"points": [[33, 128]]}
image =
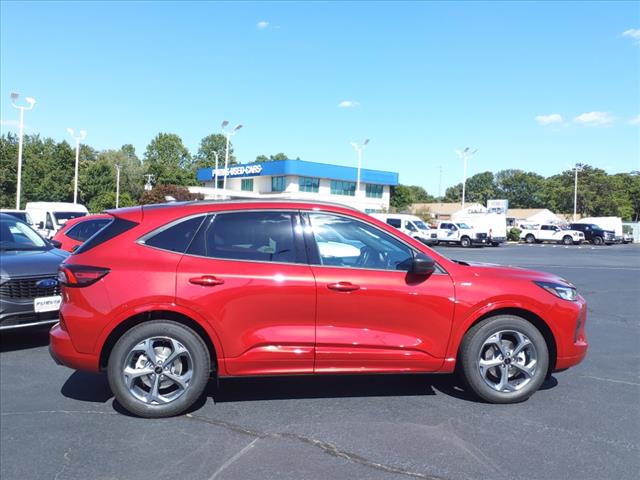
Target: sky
{"points": [[536, 86]]}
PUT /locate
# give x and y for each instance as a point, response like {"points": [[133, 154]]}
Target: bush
{"points": [[514, 234]]}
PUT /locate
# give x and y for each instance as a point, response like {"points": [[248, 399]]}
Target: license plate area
{"points": [[47, 304]]}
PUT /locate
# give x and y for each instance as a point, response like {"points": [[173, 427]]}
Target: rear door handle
{"points": [[206, 280], [343, 286]]}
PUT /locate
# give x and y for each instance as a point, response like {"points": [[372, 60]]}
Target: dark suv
{"points": [[594, 234]]}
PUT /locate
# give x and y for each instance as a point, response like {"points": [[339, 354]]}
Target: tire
{"points": [[485, 382], [465, 242], [530, 238], [567, 240], [159, 338], [598, 240], [495, 244]]}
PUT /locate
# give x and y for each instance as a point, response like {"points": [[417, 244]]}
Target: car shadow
{"points": [[89, 387], [22, 339]]}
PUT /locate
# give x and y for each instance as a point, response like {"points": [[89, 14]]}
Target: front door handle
{"points": [[206, 280], [343, 286]]}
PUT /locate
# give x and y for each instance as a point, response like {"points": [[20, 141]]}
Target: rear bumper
{"points": [[63, 352]]}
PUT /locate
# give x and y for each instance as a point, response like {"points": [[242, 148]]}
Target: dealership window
{"points": [[346, 242], [374, 191], [220, 182], [246, 185], [278, 184], [309, 184], [340, 187], [259, 236]]}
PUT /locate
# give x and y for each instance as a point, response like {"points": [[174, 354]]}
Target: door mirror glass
{"points": [[422, 265]]}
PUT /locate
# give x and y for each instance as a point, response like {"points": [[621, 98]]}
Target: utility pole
{"points": [[22, 108], [465, 155], [577, 168], [117, 185], [228, 134], [359, 149], [75, 180]]}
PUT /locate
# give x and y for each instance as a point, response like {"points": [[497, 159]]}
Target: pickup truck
{"points": [[459, 233], [551, 233], [594, 234]]}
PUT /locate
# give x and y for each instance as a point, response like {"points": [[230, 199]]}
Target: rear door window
{"points": [[263, 236]]}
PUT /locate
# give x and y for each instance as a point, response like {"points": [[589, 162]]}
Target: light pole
{"points": [[215, 176], [465, 155], [359, 149], [228, 134], [578, 167], [440, 184], [117, 185], [150, 178], [22, 108], [78, 138]]}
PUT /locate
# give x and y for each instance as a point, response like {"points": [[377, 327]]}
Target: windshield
{"points": [[420, 224], [63, 217], [463, 225], [15, 235]]}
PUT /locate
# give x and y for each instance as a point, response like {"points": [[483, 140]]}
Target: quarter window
{"points": [[278, 184], [258, 236], [175, 237], [346, 242], [395, 222], [309, 184], [341, 187], [374, 191], [84, 230]]}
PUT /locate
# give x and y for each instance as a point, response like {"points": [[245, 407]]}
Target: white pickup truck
{"points": [[550, 233], [459, 233]]}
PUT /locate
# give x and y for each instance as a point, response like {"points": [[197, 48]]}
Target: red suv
{"points": [[77, 230], [165, 296]]}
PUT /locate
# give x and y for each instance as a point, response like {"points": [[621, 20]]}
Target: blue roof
{"points": [[308, 169]]}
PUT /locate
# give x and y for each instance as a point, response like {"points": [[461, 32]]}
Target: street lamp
{"points": [[117, 184], [215, 175], [359, 149], [465, 155], [78, 138], [578, 167], [228, 134], [22, 108]]}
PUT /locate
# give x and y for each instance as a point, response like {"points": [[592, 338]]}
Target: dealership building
{"points": [[298, 179]]}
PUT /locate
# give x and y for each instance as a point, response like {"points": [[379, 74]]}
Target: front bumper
{"points": [[479, 241], [573, 351], [64, 353], [15, 315]]}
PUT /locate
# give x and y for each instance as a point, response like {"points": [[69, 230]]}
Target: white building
{"points": [[298, 179]]}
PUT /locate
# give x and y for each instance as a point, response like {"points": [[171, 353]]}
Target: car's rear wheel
{"points": [[598, 240], [567, 240], [504, 359], [158, 369], [530, 238], [465, 242]]}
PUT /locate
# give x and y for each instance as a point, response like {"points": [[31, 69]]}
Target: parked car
{"points": [[550, 233], [594, 234], [49, 217], [627, 234], [19, 214], [75, 231], [29, 290], [607, 223], [408, 224], [164, 296], [459, 233]]}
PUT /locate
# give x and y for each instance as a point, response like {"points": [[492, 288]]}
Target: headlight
{"points": [[562, 291]]}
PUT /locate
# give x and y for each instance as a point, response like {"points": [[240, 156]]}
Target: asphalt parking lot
{"points": [[584, 423]]}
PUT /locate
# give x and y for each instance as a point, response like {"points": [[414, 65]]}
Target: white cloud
{"points": [[262, 24], [632, 33], [635, 120], [348, 104], [594, 118], [549, 119]]}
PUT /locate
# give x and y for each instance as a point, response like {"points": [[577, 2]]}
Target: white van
{"points": [[494, 224], [49, 217], [408, 224]]}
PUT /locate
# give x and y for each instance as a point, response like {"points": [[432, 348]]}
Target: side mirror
{"points": [[74, 248], [422, 265], [56, 243], [40, 225]]}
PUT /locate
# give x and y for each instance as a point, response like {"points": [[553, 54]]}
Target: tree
{"points": [[522, 189], [271, 158], [404, 195], [160, 192], [169, 160], [208, 145], [478, 189]]}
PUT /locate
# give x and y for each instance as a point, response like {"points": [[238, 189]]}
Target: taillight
{"points": [[80, 275]]}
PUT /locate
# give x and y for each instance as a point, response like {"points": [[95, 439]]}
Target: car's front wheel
{"points": [[504, 359], [465, 242], [567, 240], [597, 240], [158, 369]]}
